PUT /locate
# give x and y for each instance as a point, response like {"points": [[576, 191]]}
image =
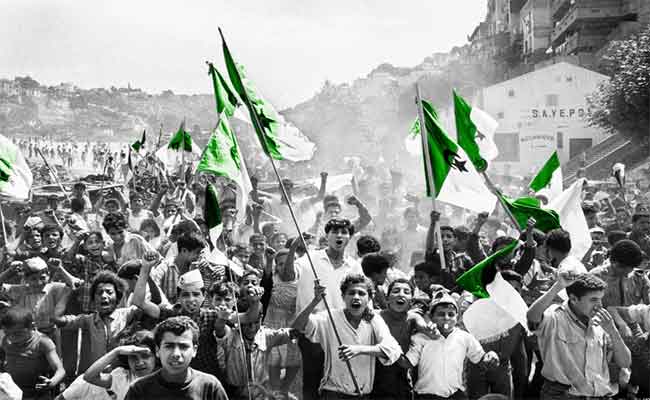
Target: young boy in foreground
{"points": [[176, 341]]}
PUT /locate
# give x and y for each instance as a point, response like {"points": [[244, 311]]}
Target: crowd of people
{"points": [[126, 295]]}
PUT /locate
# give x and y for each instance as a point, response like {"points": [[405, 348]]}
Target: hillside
{"points": [[372, 110]]}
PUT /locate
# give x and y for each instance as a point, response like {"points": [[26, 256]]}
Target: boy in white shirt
{"points": [[440, 361], [364, 336]]}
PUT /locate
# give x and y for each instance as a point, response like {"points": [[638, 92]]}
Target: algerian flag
{"points": [[455, 182], [137, 145], [549, 177], [491, 318], [472, 279], [279, 139], [15, 176], [569, 207], [180, 149], [222, 157], [475, 130], [226, 101], [212, 214], [499, 307], [526, 207]]}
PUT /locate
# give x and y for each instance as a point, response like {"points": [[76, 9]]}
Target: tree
{"points": [[622, 104]]}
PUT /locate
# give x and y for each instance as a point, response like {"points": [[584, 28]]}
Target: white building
{"points": [[540, 112]]}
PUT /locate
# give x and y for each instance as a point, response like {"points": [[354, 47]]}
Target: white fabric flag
{"points": [[488, 318], [569, 207], [467, 189]]}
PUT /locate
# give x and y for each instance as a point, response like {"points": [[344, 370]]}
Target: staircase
{"points": [[598, 160]]}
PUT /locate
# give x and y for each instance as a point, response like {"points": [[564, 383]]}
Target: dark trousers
{"points": [[459, 395], [558, 391], [481, 381], [313, 359], [329, 395]]}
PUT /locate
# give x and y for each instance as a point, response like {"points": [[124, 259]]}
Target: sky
{"points": [[289, 48]]}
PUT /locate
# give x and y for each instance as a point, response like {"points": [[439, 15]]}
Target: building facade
{"points": [[541, 112]]}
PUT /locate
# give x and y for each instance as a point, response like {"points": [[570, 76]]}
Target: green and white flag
{"points": [[222, 156], [524, 208], [279, 139], [455, 181], [499, 307], [568, 205], [549, 179], [139, 144], [180, 149], [212, 214], [225, 99], [15, 176], [475, 130]]}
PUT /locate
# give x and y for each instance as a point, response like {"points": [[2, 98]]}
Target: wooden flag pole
{"points": [[258, 128], [429, 177]]}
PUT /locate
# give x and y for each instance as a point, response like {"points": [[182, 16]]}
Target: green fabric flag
{"points": [[181, 139], [225, 99], [525, 207], [137, 145], [262, 116], [212, 213], [545, 175], [467, 132], [472, 279], [221, 155], [443, 152]]}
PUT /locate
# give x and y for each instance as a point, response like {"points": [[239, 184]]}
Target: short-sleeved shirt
{"points": [[440, 362], [574, 354], [336, 377], [26, 362], [329, 276], [42, 302], [200, 387]]}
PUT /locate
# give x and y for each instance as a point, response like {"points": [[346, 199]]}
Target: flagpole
{"points": [[258, 128], [427, 163], [304, 243], [4, 229], [56, 178], [159, 136], [496, 191]]}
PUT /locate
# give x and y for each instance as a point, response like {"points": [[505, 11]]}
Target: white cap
{"points": [[191, 280]]}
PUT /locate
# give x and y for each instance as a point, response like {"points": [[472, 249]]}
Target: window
{"points": [[500, 115], [511, 93], [560, 140], [551, 100], [508, 145]]}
